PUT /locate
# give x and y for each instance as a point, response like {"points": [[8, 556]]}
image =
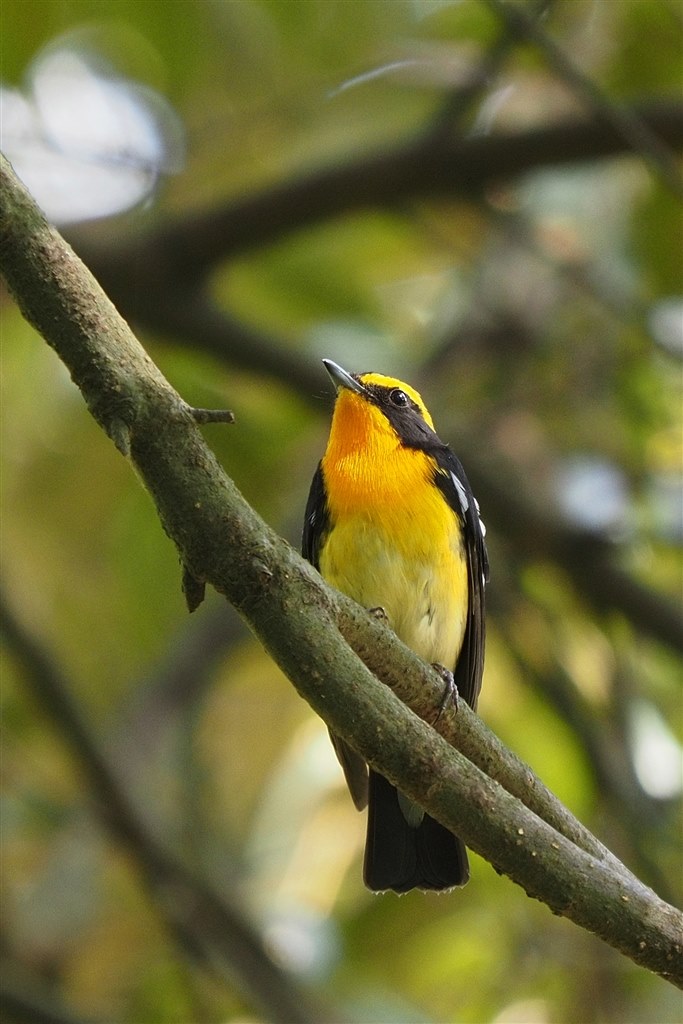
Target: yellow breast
{"points": [[394, 541]]}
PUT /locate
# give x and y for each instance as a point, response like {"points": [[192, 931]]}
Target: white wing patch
{"points": [[462, 493]]}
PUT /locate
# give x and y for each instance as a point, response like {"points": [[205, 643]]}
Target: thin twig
{"points": [[634, 130], [459, 101]]}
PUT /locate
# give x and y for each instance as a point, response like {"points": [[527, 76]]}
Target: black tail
{"points": [[401, 856]]}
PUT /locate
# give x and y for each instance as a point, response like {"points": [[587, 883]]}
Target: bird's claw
{"points": [[379, 614], [450, 693]]}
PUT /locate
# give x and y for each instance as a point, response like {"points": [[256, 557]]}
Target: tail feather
{"points": [[401, 856]]}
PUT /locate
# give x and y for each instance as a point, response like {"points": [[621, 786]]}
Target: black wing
{"points": [[316, 520], [316, 526], [453, 483]]}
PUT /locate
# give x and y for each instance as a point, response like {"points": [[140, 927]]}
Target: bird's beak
{"points": [[342, 379]]}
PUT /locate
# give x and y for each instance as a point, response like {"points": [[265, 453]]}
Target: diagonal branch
{"points": [[304, 624]]}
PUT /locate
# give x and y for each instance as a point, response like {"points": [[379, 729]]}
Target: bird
{"points": [[391, 521]]}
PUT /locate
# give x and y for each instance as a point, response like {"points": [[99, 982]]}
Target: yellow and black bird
{"points": [[391, 521]]}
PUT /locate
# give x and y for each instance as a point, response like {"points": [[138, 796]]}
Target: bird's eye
{"points": [[398, 397]]}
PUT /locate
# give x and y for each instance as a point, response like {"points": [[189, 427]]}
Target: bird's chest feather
{"points": [[403, 552]]}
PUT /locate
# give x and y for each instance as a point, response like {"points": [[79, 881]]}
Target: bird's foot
{"points": [[379, 614], [450, 693]]}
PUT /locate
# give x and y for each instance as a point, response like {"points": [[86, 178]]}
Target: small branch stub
{"points": [[202, 416], [194, 589]]}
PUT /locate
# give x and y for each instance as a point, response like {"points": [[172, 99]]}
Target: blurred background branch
{"points": [[25, 999], [206, 927], [433, 167]]}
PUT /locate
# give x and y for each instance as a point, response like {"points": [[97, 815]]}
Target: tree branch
{"points": [[304, 624], [181, 253]]}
